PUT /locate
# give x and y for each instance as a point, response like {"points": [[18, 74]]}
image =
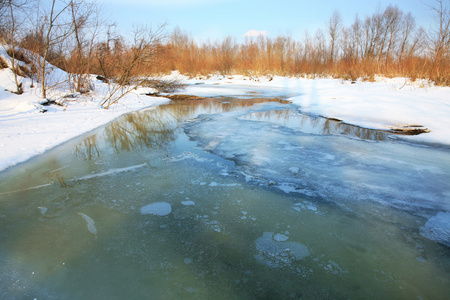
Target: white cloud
{"points": [[253, 33]]}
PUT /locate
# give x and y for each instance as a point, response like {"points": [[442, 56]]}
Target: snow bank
{"points": [[25, 132]]}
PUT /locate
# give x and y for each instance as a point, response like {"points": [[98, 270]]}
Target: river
{"points": [[228, 198]]}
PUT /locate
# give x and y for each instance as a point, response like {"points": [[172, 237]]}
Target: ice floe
{"points": [[276, 253], [437, 228], [157, 208]]}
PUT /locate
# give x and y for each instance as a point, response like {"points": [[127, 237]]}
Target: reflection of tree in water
{"points": [[317, 125], [88, 148], [154, 128], [189, 109], [146, 129]]}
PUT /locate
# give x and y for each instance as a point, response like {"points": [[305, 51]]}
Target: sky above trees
{"points": [[208, 20]]}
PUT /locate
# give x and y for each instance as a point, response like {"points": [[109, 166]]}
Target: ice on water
{"points": [[340, 167], [157, 208], [275, 252], [438, 228], [90, 223]]}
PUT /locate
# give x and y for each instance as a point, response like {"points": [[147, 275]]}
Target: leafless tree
{"points": [[13, 16], [439, 39], [407, 28], [57, 27], [142, 51], [227, 55], [86, 26], [334, 29], [393, 19]]}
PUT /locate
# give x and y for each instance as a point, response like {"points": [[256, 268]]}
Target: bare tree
{"points": [[13, 13], [334, 28], [407, 28], [393, 18], [56, 28], [142, 51], [439, 39], [227, 54], [86, 25]]}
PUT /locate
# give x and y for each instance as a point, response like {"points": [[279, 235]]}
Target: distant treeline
{"points": [[72, 36], [387, 43]]}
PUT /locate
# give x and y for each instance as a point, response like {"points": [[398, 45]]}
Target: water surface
{"points": [[227, 199]]}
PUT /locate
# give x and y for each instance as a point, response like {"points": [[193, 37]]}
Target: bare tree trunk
{"points": [[52, 38]]}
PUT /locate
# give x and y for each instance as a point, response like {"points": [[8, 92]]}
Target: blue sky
{"points": [[215, 19]]}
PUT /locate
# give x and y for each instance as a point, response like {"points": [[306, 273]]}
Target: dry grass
{"points": [[19, 55], [3, 64]]}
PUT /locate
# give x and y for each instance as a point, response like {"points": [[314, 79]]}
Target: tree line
{"points": [[388, 43], [73, 36]]}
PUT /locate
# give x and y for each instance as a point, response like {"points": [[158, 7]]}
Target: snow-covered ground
{"points": [[26, 132]]}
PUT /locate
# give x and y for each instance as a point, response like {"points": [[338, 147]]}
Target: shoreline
{"points": [[386, 104]]}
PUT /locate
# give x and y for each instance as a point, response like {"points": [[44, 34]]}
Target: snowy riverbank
{"points": [[25, 132]]}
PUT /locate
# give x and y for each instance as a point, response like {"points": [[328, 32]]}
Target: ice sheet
{"points": [[343, 169]]}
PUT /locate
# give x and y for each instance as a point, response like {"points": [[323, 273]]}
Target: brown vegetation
{"points": [[70, 35], [3, 64], [387, 43]]}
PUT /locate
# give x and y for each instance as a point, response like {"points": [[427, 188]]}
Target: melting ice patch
{"points": [[157, 208], [90, 223], [275, 252], [437, 228], [42, 209]]}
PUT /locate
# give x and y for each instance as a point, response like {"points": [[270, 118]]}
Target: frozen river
{"points": [[228, 198]]}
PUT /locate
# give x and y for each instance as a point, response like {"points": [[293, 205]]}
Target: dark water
{"points": [[227, 199]]}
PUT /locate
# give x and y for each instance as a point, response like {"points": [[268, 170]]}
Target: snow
{"points": [[25, 132]]}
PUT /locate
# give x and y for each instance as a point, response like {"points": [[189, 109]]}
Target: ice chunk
{"points": [[90, 223], [280, 237], [188, 261], [157, 208], [277, 254], [294, 170], [42, 209], [437, 228], [188, 203]]}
